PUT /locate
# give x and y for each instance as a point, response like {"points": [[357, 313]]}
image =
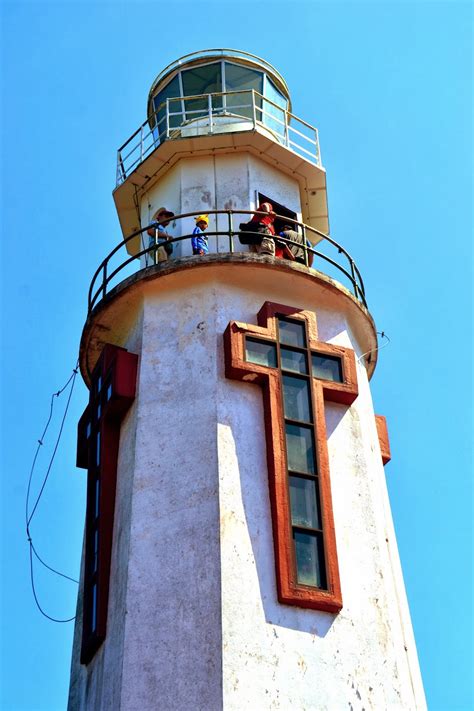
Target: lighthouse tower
{"points": [[239, 551]]}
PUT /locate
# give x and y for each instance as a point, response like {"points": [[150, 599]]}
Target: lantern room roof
{"points": [[205, 56]]}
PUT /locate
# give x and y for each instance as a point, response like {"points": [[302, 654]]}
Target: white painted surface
{"points": [[194, 621]]}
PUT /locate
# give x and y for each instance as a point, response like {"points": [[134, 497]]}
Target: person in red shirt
{"points": [[264, 225]]}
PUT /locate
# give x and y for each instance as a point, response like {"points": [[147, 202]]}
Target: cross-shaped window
{"points": [[298, 373], [112, 391]]}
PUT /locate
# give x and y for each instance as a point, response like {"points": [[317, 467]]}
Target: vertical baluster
{"points": [[305, 246], [318, 152], [167, 118], [104, 279], [354, 280], [231, 230], [209, 108], [254, 109]]}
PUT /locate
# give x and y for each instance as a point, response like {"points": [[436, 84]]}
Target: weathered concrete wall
{"points": [[172, 656], [194, 620]]}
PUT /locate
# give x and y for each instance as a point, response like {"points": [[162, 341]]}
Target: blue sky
{"points": [[389, 85]]}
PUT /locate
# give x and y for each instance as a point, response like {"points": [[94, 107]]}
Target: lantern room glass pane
{"points": [[295, 361], [300, 448], [274, 116], [170, 91], [296, 398], [292, 333], [239, 78], [203, 79], [304, 503], [310, 568], [327, 367], [260, 352]]}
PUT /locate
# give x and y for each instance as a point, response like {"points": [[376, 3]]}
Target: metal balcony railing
{"points": [[329, 258], [207, 114]]}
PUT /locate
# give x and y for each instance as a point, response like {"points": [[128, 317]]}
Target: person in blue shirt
{"points": [[199, 239], [159, 236]]}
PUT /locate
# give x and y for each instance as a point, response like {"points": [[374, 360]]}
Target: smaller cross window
{"points": [[111, 393]]}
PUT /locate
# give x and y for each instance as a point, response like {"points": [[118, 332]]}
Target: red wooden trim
{"points": [[236, 367], [119, 368], [382, 432]]}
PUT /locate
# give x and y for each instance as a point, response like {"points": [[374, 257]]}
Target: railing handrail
{"points": [[353, 275], [255, 97]]}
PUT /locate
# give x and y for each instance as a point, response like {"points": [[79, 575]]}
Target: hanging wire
{"points": [[32, 578], [382, 334], [28, 515]]}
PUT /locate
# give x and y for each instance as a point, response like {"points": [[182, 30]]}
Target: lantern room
{"points": [[238, 84]]}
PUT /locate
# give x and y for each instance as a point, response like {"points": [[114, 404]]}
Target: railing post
{"points": [[167, 118], [141, 144], [354, 281], [318, 152], [254, 109], [287, 130], [305, 246], [104, 279], [209, 108], [231, 230], [154, 256]]}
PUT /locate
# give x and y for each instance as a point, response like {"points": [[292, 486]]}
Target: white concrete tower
{"points": [[239, 549]]}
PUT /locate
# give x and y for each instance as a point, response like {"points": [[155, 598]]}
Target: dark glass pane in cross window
{"points": [[300, 448], [96, 550], [296, 398], [94, 608], [304, 503], [327, 367], [97, 450], [96, 498], [292, 333], [293, 360], [310, 569], [109, 391], [99, 383], [260, 352], [88, 430]]}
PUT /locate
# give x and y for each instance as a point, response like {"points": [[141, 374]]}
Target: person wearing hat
{"points": [[199, 239], [159, 236]]}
